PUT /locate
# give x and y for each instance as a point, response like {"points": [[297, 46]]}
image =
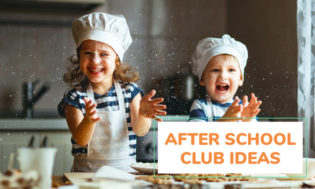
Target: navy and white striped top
{"points": [[106, 102], [202, 110]]}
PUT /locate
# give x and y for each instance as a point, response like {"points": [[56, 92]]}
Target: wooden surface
{"points": [[86, 179], [70, 178], [59, 180]]}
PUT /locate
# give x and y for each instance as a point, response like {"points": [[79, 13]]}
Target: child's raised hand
{"points": [[90, 111], [233, 111], [250, 109], [151, 108]]}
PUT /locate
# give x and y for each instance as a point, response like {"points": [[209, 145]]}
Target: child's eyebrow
{"points": [[104, 50], [85, 49]]}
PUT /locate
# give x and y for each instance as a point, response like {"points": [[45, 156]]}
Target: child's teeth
{"points": [[222, 87], [96, 70]]}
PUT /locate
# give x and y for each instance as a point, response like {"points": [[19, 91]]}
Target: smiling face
{"points": [[97, 61], [222, 77]]}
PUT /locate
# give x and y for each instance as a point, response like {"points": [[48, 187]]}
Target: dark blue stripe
{"points": [[67, 100], [132, 137], [225, 104], [129, 128], [133, 146], [73, 141], [135, 92], [127, 100], [132, 154], [79, 150], [61, 111], [221, 105], [111, 103], [108, 103], [197, 114], [202, 101]]}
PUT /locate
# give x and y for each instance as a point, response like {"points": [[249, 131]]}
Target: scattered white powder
{"points": [[145, 165]]}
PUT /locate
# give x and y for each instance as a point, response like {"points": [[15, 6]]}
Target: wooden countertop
{"points": [[60, 180], [86, 178]]}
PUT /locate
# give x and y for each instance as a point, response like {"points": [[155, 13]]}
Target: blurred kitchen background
{"points": [[36, 41]]}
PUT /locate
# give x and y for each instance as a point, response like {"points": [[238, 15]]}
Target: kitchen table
{"points": [[85, 179]]}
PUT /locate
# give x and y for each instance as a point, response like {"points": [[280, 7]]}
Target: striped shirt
{"points": [[106, 102], [202, 110]]}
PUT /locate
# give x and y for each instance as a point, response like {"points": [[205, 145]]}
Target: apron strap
{"points": [[119, 96], [119, 93], [90, 93]]}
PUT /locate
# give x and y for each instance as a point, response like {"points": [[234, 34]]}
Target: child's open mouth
{"points": [[96, 70], [222, 87]]}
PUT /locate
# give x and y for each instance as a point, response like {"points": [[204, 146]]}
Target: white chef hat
{"points": [[209, 47], [110, 29]]}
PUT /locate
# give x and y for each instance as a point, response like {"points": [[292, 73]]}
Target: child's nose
{"points": [[223, 74], [96, 58]]}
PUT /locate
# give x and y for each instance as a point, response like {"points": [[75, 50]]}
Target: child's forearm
{"points": [[141, 126], [84, 132]]}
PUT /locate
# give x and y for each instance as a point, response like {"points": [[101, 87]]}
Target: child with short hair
{"points": [[219, 64], [105, 110]]}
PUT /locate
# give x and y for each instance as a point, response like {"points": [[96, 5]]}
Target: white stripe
{"points": [[133, 141], [81, 101], [132, 150], [108, 108], [81, 93], [73, 94], [106, 99]]}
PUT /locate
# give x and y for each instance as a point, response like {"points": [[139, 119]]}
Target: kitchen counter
{"points": [[85, 179], [33, 124], [16, 133]]}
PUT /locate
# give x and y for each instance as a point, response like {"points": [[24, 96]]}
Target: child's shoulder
{"points": [[200, 101], [130, 89], [199, 104], [129, 85], [79, 90]]}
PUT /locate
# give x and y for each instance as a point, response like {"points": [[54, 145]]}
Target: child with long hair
{"points": [[105, 110]]}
